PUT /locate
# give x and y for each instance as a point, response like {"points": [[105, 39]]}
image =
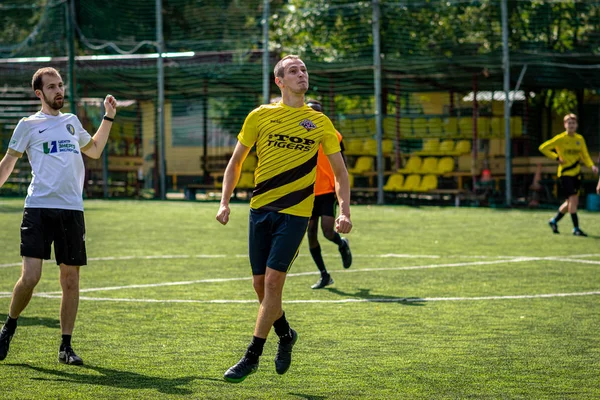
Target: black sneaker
{"points": [[241, 370], [579, 232], [283, 358], [5, 338], [68, 356], [346, 253], [553, 226], [323, 281]]}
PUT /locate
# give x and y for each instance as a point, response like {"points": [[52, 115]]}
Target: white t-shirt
{"points": [[53, 145]]}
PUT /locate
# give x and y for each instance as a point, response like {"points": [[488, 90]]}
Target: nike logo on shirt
{"points": [[42, 130]]}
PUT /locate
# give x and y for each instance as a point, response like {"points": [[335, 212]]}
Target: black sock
{"points": [[575, 220], [11, 324], [315, 252], [255, 348], [282, 329], [66, 341], [558, 217], [337, 239]]}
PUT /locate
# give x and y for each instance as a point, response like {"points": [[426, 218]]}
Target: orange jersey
{"points": [[325, 182]]}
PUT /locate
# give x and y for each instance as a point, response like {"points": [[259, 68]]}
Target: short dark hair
{"points": [[279, 69], [36, 81], [315, 105]]}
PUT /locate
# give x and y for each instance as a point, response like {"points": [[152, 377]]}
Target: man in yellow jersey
{"points": [[324, 208], [569, 150], [287, 136]]}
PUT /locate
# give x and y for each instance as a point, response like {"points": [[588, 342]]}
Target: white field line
{"points": [[388, 255], [215, 280], [352, 300], [575, 260]]}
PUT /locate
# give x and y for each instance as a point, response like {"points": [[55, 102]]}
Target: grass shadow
{"points": [[308, 396], [376, 298], [117, 379], [35, 321]]}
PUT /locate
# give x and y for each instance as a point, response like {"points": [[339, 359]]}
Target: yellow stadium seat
{"points": [[429, 182], [387, 146], [353, 146], [516, 126], [429, 166], [483, 127], [435, 127], [445, 165], [250, 163], [394, 183], [412, 165], [450, 126], [362, 127], [465, 126], [369, 147], [363, 164], [345, 126], [246, 181], [351, 180], [420, 127], [411, 183], [497, 127], [431, 145], [447, 147], [463, 147]]}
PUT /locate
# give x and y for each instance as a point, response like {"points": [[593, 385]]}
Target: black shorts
{"points": [[570, 185], [274, 240], [66, 228], [324, 205]]}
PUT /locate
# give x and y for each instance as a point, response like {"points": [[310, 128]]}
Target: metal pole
{"points": [[205, 133], [506, 67], [160, 109], [70, 16], [378, 106], [475, 145], [266, 67], [398, 133], [104, 162]]}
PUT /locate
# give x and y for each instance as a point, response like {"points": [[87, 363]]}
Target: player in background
{"points": [[54, 204], [324, 208], [569, 149]]}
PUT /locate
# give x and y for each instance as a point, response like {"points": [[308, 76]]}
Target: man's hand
{"points": [[598, 188], [595, 170], [343, 224], [223, 214], [110, 106]]}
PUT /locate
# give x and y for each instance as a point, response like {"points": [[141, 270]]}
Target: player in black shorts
{"points": [[54, 205], [324, 208]]}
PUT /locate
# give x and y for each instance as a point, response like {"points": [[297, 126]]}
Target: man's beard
{"points": [[54, 104]]}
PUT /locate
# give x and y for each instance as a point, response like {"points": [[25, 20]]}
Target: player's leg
{"points": [[69, 281], [562, 210], [288, 234], [328, 228], [315, 250], [573, 204], [22, 293], [36, 241], [259, 244], [69, 246]]}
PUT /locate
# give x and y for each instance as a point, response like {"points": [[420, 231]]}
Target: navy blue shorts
{"points": [[274, 240]]}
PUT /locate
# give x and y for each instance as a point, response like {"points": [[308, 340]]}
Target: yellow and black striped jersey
{"points": [[287, 141], [571, 149]]}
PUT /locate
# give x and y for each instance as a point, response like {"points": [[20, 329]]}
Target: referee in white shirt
{"points": [[53, 210]]}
